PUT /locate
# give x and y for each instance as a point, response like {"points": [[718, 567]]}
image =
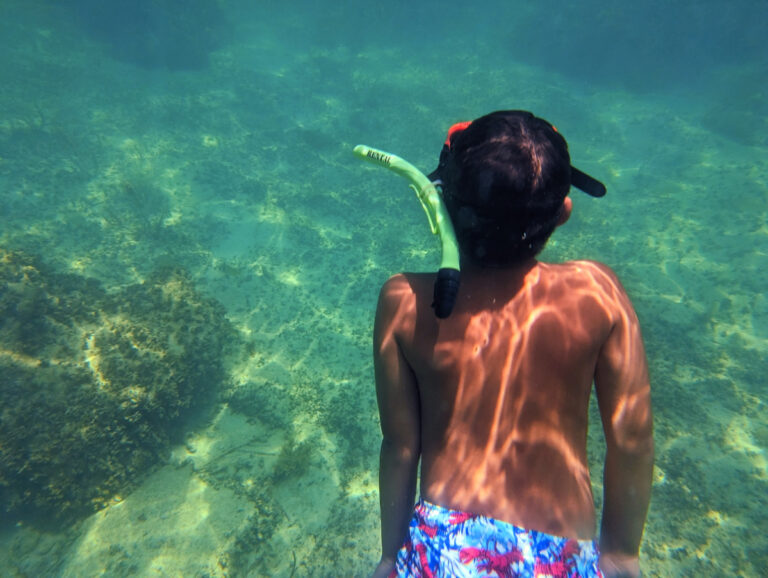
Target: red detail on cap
{"points": [[458, 127], [554, 128]]}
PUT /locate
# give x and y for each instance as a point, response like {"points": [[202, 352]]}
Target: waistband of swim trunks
{"points": [[438, 513]]}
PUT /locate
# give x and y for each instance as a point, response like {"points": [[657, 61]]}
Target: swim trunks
{"points": [[451, 543]]}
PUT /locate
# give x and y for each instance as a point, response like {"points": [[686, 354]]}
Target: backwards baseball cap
{"points": [[579, 179]]}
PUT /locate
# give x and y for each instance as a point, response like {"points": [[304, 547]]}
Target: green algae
{"points": [[95, 386]]}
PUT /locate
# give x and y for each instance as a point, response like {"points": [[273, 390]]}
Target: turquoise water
{"points": [[216, 140]]}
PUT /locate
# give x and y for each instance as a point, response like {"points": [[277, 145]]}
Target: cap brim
{"points": [[584, 182]]}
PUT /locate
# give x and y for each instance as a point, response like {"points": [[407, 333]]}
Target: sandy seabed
{"points": [[242, 173]]}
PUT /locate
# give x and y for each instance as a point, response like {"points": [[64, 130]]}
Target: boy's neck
{"points": [[484, 285], [471, 270]]}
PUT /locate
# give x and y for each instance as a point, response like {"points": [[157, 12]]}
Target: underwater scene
{"points": [[190, 259]]}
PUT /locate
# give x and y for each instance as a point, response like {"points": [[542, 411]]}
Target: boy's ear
{"points": [[566, 213]]}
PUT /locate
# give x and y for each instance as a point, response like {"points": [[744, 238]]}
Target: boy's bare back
{"points": [[497, 395], [493, 400]]}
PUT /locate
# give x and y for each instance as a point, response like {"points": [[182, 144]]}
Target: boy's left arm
{"points": [[398, 399]]}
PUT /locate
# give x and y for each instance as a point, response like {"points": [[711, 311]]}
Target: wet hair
{"points": [[505, 177]]}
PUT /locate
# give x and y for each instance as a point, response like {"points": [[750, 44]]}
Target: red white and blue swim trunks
{"points": [[450, 543]]}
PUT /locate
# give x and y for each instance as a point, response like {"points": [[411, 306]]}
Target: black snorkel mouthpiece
{"points": [[446, 290]]}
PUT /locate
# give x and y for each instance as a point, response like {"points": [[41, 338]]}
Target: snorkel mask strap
{"points": [[447, 282], [579, 179]]}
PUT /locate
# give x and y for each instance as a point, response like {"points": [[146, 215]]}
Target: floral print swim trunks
{"points": [[451, 543]]}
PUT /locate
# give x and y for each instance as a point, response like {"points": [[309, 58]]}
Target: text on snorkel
{"points": [[379, 157]]}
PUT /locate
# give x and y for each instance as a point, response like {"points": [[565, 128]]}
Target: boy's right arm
{"points": [[623, 394], [398, 400]]}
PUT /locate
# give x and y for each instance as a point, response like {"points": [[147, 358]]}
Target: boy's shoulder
{"points": [[583, 269], [581, 265], [406, 285], [587, 278]]}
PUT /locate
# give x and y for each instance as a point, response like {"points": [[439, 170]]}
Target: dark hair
{"points": [[504, 181]]}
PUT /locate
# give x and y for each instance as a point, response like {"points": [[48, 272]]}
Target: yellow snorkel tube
{"points": [[447, 282]]}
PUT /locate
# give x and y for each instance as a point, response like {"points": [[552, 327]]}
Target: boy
{"points": [[493, 400]]}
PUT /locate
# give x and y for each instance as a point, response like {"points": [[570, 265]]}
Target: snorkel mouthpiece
{"points": [[447, 282], [446, 290]]}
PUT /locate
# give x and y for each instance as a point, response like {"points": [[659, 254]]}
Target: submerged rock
{"points": [[95, 385], [155, 33]]}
